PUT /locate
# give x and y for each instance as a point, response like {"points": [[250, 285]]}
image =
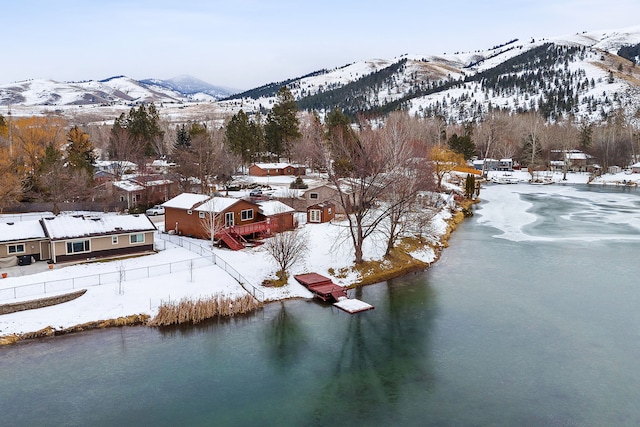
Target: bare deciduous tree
{"points": [[287, 248], [205, 160]]}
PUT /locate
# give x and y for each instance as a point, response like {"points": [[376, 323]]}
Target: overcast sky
{"points": [[247, 43]]}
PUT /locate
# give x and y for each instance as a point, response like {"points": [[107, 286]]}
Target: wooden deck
{"points": [[233, 236], [323, 288]]}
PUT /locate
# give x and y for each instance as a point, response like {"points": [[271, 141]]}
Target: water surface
{"points": [[533, 323]]}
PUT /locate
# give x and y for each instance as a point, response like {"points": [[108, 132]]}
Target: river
{"points": [[531, 317]]}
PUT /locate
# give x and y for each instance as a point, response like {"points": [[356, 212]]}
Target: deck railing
{"points": [[254, 227]]}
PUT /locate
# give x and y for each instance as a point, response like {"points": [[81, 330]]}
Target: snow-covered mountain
{"points": [[111, 91], [193, 88], [581, 74], [586, 75]]}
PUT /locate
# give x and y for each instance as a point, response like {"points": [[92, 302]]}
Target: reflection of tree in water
{"points": [[205, 327], [285, 337], [380, 359]]}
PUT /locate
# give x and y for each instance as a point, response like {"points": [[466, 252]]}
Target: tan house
{"points": [[80, 237], [71, 238], [326, 193], [22, 239]]}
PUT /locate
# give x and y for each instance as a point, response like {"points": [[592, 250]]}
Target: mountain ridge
{"points": [[586, 75]]}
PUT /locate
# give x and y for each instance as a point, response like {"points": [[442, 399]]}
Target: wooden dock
{"points": [[323, 288]]}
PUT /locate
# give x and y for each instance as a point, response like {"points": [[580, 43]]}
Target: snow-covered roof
{"points": [[275, 165], [161, 163], [274, 207], [128, 185], [217, 204], [21, 230], [68, 226], [158, 182], [185, 201], [577, 156], [114, 164]]}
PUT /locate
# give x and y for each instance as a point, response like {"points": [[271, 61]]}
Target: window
{"points": [[16, 249], [329, 211], [246, 215], [314, 215], [114, 240], [313, 195], [78, 246], [136, 238], [189, 212], [201, 214]]}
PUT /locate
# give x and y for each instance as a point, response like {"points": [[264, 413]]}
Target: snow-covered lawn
{"points": [[330, 248]]}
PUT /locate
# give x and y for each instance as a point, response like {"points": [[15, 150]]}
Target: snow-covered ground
{"points": [[330, 248], [617, 179], [329, 244]]}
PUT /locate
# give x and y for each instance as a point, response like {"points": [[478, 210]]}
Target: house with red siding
{"points": [[275, 169], [321, 212], [280, 214], [230, 220]]}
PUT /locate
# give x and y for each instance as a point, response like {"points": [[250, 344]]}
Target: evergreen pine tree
{"points": [[183, 139], [80, 154], [243, 136], [282, 126]]}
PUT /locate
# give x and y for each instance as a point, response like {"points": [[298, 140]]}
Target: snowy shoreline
{"points": [[331, 255], [136, 301]]}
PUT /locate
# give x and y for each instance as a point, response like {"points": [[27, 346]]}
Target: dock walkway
{"points": [[323, 288]]}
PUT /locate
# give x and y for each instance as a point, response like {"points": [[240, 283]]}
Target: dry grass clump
{"points": [[396, 264], [342, 273], [399, 262], [9, 339], [135, 319], [281, 279], [194, 311]]}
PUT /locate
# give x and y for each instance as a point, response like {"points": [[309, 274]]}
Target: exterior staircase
{"points": [[233, 240], [233, 236]]}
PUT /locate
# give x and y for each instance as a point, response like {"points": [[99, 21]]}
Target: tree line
{"points": [[388, 173]]}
